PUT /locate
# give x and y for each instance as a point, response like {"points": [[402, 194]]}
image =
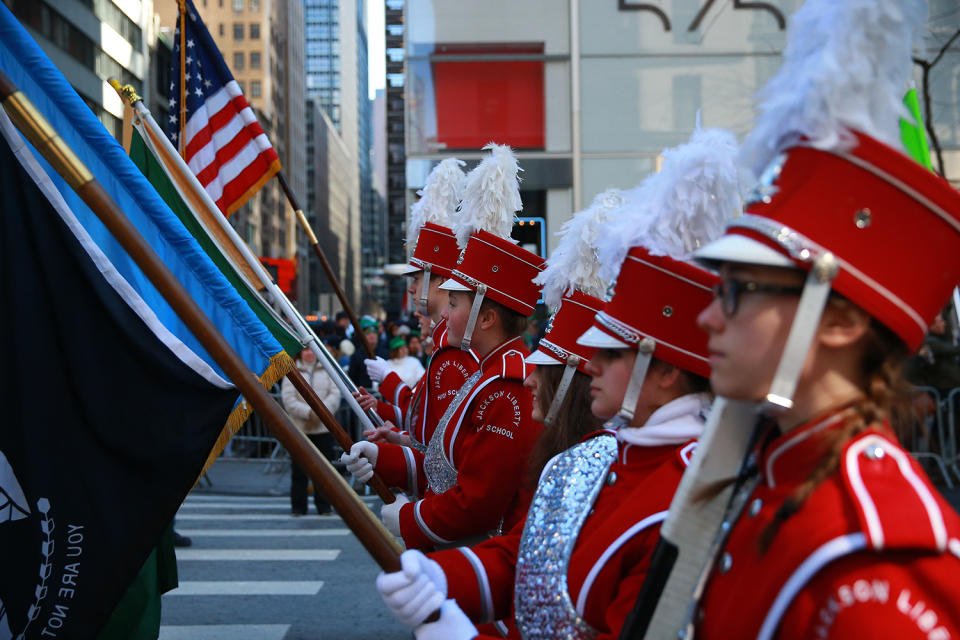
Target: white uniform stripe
{"points": [[649, 521], [110, 273], [423, 526], [483, 583], [246, 588], [863, 496], [827, 553], [256, 555], [412, 484], [224, 632], [261, 533]]}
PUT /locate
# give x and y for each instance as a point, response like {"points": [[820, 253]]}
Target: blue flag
{"points": [[111, 404]]}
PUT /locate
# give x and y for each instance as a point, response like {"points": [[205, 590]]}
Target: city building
{"points": [[336, 85], [332, 209], [397, 201], [589, 93], [91, 42], [262, 44]]}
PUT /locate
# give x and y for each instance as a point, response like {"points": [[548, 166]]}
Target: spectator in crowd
{"points": [[937, 364], [371, 335], [415, 347], [303, 416], [344, 328], [406, 366]]}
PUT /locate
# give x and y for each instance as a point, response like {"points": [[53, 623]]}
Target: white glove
{"points": [[377, 369], [361, 460], [414, 592], [390, 514], [452, 625]]}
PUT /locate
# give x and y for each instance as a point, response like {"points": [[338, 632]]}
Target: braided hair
{"points": [[885, 406]]}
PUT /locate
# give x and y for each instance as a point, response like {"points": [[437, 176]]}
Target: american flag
{"points": [[223, 142]]}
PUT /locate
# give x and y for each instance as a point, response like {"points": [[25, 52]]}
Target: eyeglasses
{"points": [[730, 289]]}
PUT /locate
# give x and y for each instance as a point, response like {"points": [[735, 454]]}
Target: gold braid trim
{"points": [[280, 365]]}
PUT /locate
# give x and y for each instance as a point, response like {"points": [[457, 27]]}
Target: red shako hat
{"points": [[892, 226], [658, 295], [503, 268], [431, 218], [559, 343], [836, 197], [659, 298], [436, 250], [491, 264]]}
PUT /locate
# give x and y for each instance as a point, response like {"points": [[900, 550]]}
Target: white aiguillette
{"points": [[689, 536]]}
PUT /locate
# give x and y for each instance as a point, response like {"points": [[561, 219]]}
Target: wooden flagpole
{"points": [[159, 142], [183, 74], [331, 277], [339, 434], [368, 528]]}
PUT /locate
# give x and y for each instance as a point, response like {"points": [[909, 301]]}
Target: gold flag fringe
{"points": [[280, 365]]}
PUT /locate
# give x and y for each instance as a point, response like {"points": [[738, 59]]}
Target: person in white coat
{"points": [[303, 416]]}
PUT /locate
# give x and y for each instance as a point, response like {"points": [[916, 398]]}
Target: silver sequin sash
{"points": [[564, 498], [411, 417], [441, 474]]}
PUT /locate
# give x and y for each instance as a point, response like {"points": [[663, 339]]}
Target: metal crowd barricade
{"points": [[933, 443], [254, 443], [951, 454]]}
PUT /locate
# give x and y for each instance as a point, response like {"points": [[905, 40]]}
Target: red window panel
{"points": [[483, 101]]}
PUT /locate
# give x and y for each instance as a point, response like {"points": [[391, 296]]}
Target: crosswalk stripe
{"points": [[257, 554], [224, 632], [261, 533], [247, 588], [239, 499], [233, 505], [263, 517]]}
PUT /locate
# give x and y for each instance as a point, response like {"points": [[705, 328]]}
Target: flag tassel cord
{"points": [[331, 277], [301, 328], [369, 530]]}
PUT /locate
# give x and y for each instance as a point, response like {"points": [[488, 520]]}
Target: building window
{"points": [[254, 59], [238, 31], [255, 88], [243, 88], [255, 31], [220, 3], [238, 5], [220, 29], [254, 5], [238, 61]]}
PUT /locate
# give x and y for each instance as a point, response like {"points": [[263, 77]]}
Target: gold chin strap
{"points": [[816, 291], [472, 320], [425, 289], [637, 376], [569, 369]]}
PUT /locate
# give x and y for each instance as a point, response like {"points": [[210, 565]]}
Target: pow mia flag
{"points": [[110, 406]]}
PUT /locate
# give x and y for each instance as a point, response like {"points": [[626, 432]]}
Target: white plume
{"points": [[846, 65], [439, 198], [687, 204], [573, 264], [491, 196]]}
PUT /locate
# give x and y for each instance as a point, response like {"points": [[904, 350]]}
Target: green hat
{"points": [[397, 342], [367, 323]]}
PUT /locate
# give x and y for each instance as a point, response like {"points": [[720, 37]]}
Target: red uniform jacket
{"points": [[612, 552], [874, 552], [488, 440], [448, 368]]}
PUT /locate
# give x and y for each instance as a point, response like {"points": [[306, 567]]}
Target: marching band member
{"points": [[847, 252], [575, 567], [415, 412], [476, 457]]}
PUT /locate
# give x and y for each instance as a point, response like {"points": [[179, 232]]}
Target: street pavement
{"points": [[254, 572]]}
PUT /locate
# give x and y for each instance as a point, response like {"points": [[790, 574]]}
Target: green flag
{"points": [[158, 177], [914, 136]]}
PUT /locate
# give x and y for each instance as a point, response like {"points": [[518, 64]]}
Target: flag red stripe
{"points": [[227, 152], [239, 185], [216, 122]]}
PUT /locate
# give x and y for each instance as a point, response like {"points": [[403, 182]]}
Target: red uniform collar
{"points": [[493, 359], [791, 457]]}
